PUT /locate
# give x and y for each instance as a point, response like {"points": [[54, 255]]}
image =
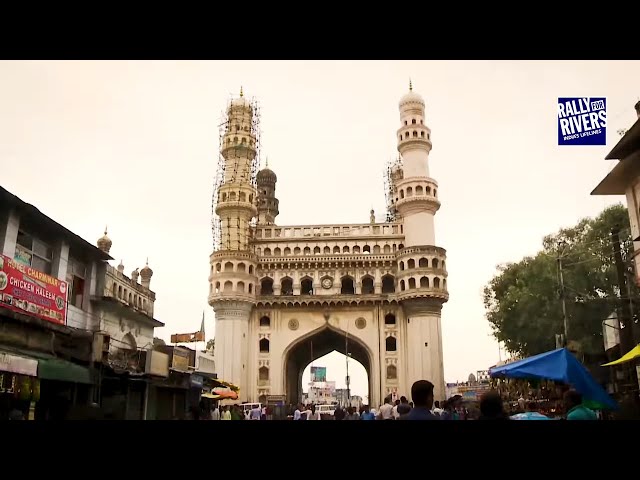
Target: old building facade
{"points": [[286, 295]]}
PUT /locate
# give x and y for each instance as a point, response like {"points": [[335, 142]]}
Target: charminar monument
{"points": [[285, 295]]}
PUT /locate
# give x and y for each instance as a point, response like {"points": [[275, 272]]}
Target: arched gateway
{"points": [[286, 295]]}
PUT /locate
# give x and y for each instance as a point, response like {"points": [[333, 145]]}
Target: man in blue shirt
{"points": [[422, 396]]}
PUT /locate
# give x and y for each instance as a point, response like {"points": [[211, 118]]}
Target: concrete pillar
{"points": [[9, 234]]}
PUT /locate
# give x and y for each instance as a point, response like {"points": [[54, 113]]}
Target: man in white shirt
{"points": [[386, 410], [215, 415], [436, 409]]}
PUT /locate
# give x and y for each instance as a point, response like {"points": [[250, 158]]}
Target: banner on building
{"points": [[318, 374], [187, 337], [27, 290]]}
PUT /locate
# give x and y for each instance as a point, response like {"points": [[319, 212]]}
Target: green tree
{"points": [[523, 303], [211, 344]]}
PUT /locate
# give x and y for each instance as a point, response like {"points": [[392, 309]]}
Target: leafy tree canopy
{"points": [[523, 303], [211, 344]]}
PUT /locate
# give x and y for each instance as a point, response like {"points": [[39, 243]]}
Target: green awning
{"points": [[63, 371]]}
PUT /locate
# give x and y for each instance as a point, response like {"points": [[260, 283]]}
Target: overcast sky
{"points": [[134, 145]]}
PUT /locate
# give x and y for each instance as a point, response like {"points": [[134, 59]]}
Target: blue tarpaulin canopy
{"points": [[559, 366]]}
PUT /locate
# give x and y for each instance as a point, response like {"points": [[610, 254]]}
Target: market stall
{"points": [[560, 367]]}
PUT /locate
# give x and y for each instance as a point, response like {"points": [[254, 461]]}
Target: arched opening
{"points": [[376, 249], [251, 288], [218, 267], [286, 286], [386, 249], [435, 192], [345, 249], [436, 282], [367, 286], [435, 263], [400, 247], [390, 344], [356, 249], [306, 286], [228, 287], [444, 284], [401, 265], [409, 191], [265, 321], [347, 286], [316, 251], [336, 249], [326, 347], [424, 282], [242, 196], [287, 251], [264, 345], [327, 250], [250, 269], [129, 342], [388, 284], [366, 249], [217, 287], [427, 190], [266, 286], [228, 267], [411, 263], [389, 319], [419, 190], [401, 193], [240, 287], [443, 266], [114, 289], [307, 251], [277, 252], [296, 251], [242, 267], [423, 263], [412, 283], [402, 285], [267, 252], [232, 197]]}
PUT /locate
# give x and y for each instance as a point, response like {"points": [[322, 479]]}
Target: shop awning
{"points": [[63, 371], [627, 357]]}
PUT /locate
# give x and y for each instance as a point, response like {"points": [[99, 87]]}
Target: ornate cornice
{"points": [[304, 301], [426, 294], [231, 309]]}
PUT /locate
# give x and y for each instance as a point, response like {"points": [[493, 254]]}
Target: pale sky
{"points": [[134, 145]]}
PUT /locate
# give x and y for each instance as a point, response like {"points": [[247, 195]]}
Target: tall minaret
{"points": [[267, 201], [421, 264], [232, 279]]}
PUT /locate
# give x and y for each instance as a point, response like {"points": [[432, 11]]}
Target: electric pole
{"points": [[563, 297]]}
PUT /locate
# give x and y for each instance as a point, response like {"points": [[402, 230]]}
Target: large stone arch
{"points": [[325, 339]]}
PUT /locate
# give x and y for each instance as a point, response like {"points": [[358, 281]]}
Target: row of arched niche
{"points": [[347, 285]]}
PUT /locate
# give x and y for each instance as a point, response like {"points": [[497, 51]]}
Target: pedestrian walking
{"points": [[422, 395], [386, 410], [575, 409], [404, 406]]}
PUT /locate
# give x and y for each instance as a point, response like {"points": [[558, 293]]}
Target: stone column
{"points": [[424, 344]]}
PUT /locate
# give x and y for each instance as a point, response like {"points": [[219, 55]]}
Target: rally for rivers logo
{"points": [[582, 121]]}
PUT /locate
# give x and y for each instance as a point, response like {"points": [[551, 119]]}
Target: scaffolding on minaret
{"points": [[238, 174], [392, 173]]}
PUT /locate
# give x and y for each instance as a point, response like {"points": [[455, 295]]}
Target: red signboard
{"points": [[26, 290]]}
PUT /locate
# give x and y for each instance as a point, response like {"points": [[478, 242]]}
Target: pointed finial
{"points": [[147, 261], [241, 93], [267, 163], [105, 229], [410, 86]]}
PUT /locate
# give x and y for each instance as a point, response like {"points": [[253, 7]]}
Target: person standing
{"points": [[338, 414], [404, 406], [574, 408], [492, 407], [313, 414], [256, 413], [226, 413], [351, 414], [297, 414], [215, 415], [422, 395], [386, 410], [394, 411], [367, 414], [436, 409]]}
